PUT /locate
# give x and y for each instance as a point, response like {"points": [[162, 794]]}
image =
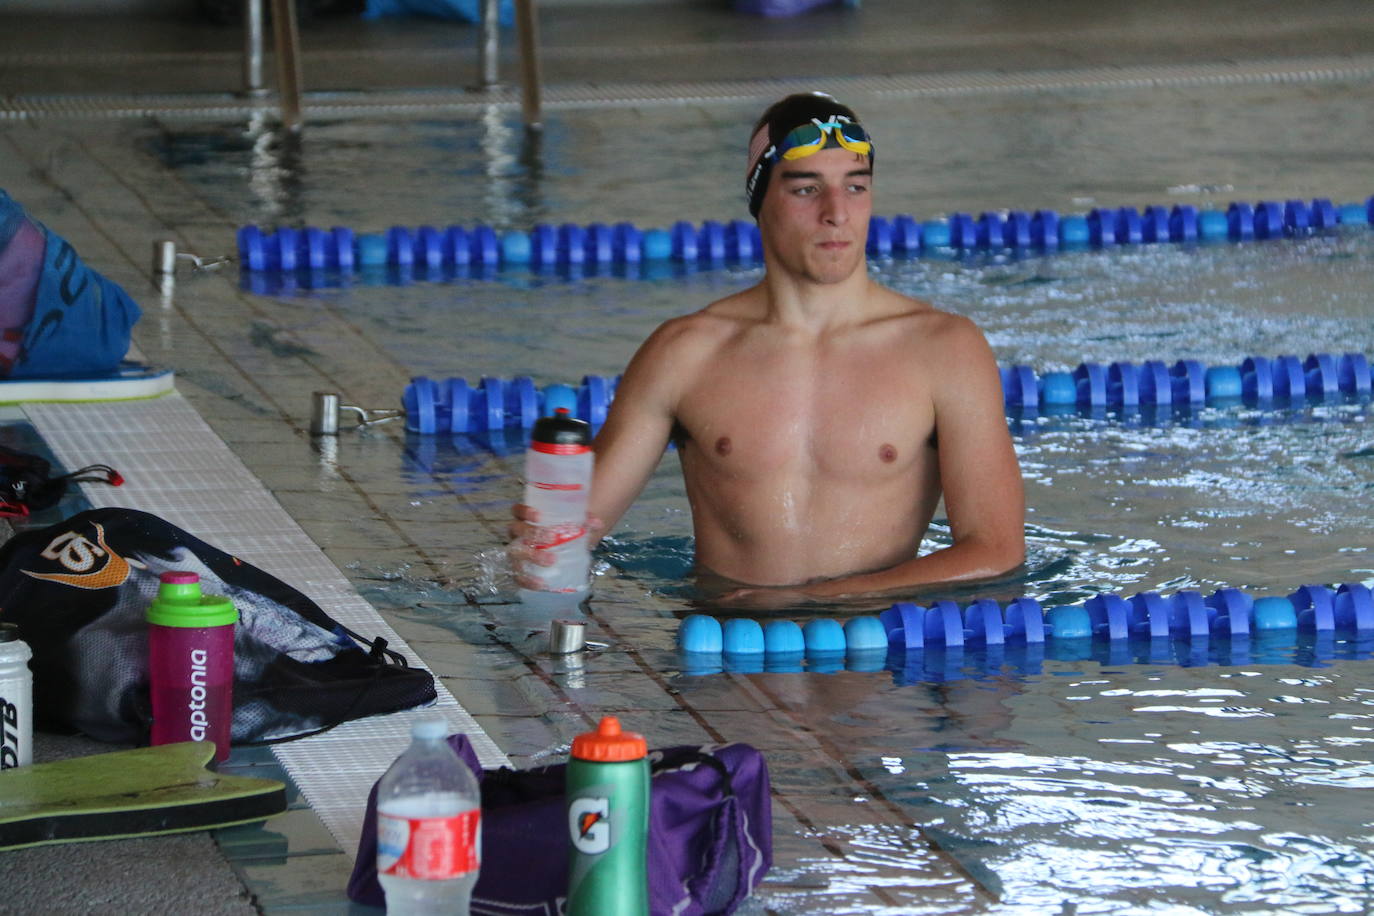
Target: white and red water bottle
{"points": [[429, 827], [558, 481], [191, 663], [16, 699]]}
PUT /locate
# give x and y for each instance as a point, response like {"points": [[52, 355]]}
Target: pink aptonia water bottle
{"points": [[191, 663]]}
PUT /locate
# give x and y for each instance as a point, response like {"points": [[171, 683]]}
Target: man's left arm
{"points": [[980, 476]]}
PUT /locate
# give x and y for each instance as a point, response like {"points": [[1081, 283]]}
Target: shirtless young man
{"points": [[819, 416]]}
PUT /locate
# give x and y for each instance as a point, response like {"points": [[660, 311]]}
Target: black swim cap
{"points": [[781, 118]]}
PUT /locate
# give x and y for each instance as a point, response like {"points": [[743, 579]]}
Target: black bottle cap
{"points": [[562, 429]]}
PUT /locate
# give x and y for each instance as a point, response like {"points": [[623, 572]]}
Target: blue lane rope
{"points": [[455, 406], [1066, 631], [546, 247]]}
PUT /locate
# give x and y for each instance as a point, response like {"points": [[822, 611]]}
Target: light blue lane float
{"points": [[548, 247], [1228, 614], [456, 406]]}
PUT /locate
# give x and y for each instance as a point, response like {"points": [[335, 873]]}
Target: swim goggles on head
{"points": [[816, 135]]}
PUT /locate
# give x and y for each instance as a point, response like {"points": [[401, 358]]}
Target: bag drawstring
{"points": [[94, 473]]}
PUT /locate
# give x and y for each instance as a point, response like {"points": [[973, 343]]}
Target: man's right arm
{"points": [[631, 443], [632, 440]]}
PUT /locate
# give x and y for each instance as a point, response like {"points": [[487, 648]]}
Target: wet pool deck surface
{"points": [[248, 364]]}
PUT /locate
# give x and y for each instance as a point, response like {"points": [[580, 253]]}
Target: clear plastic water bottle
{"points": [[429, 818], [16, 699], [558, 479]]}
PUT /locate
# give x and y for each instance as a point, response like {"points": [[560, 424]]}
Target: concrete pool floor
{"points": [[248, 364]]}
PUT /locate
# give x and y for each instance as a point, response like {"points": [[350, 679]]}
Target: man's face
{"points": [[814, 216]]}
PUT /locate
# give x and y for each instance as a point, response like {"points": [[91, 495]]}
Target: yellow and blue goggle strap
{"points": [[813, 137]]}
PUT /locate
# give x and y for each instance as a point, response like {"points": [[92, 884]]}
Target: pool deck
{"points": [[252, 480]]}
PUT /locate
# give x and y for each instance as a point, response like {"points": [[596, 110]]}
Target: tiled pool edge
{"points": [[178, 468]]}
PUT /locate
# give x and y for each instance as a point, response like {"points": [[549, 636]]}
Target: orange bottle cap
{"points": [[608, 744]]}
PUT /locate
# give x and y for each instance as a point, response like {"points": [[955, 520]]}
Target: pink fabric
{"points": [[21, 262]]}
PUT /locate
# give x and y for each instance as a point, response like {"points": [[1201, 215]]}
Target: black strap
{"points": [[681, 757]]}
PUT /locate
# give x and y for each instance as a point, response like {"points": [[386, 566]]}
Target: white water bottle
{"points": [[558, 480], [16, 699], [429, 827]]}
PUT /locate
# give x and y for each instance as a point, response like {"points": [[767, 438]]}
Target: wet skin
{"points": [[806, 409]]}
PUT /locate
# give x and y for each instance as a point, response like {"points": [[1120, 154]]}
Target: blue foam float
{"points": [[1044, 229], [1074, 231], [783, 637], [864, 633], [742, 636], [1213, 226], [371, 250], [824, 636], [935, 234], [516, 248], [658, 245], [701, 633]]}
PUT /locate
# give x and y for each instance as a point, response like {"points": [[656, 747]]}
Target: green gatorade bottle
{"points": [[607, 799]]}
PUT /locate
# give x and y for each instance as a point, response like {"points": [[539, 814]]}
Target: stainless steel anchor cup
{"points": [[324, 414], [567, 636]]}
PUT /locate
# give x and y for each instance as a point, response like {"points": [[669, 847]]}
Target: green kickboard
{"points": [[146, 791]]}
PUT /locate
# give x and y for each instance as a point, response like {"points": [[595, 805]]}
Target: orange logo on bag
{"points": [[93, 565]]}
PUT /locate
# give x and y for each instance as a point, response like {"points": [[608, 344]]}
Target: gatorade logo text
{"points": [[91, 565], [589, 825], [9, 734], [199, 721]]}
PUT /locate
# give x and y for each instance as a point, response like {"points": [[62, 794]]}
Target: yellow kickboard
{"points": [[140, 792]]}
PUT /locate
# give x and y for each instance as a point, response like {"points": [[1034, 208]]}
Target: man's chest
{"points": [[864, 417]]}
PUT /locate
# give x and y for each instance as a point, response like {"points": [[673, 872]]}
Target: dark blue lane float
{"points": [[1256, 381], [456, 249], [455, 406], [1228, 626]]}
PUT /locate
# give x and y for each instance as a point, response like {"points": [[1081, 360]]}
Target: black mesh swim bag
{"points": [[79, 589]]}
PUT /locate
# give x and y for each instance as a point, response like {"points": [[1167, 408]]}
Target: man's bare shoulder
{"points": [[707, 328], [940, 329]]}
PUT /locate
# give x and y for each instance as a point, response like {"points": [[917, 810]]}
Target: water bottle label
{"points": [[12, 752], [430, 848], [546, 536], [589, 824]]}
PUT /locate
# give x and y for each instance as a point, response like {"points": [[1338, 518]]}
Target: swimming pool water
{"points": [[1204, 777], [1100, 785]]}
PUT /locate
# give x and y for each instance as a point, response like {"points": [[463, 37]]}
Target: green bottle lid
{"points": [[179, 603]]}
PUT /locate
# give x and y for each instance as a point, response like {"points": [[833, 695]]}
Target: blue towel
{"points": [[76, 323]]}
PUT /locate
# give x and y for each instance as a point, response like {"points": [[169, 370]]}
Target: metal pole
{"points": [[252, 47], [530, 80], [287, 39], [491, 45]]}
